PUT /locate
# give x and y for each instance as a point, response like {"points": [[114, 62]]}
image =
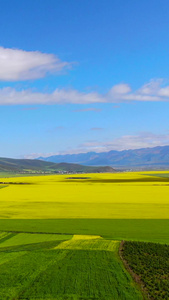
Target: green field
{"points": [[136, 230], [29, 238], [62, 267]]}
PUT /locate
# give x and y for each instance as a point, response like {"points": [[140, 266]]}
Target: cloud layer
{"points": [[126, 142], [155, 90], [18, 65], [10, 96]]}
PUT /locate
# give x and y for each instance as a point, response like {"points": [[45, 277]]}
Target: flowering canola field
{"points": [[133, 195]]}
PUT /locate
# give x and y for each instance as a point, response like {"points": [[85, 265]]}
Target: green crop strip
{"points": [[150, 230]]}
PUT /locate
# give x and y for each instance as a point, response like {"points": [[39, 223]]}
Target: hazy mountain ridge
{"points": [[39, 166], [138, 157]]}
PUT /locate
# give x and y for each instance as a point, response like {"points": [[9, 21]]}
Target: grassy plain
{"points": [[82, 267]]}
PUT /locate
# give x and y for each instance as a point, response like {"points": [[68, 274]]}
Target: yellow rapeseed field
{"points": [[119, 195], [89, 242]]}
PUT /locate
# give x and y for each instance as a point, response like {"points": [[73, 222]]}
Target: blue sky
{"points": [[79, 76]]}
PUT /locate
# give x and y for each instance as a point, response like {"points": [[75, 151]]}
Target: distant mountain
{"points": [[148, 157], [39, 166], [20, 165]]}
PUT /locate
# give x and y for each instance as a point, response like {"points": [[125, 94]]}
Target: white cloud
{"points": [[164, 91], [151, 88], [120, 89], [36, 155], [126, 142], [18, 64], [9, 96], [152, 91], [141, 140]]}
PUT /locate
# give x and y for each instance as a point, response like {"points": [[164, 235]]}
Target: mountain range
{"points": [[38, 166], [144, 157]]}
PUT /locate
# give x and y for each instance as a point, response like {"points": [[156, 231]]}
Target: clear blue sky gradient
{"points": [[111, 42]]}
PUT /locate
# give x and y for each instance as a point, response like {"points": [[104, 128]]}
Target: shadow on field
{"points": [[134, 180], [12, 182]]}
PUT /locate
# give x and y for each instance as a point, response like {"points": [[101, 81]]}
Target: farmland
{"points": [[151, 264], [60, 234], [130, 206], [102, 196], [62, 267]]}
